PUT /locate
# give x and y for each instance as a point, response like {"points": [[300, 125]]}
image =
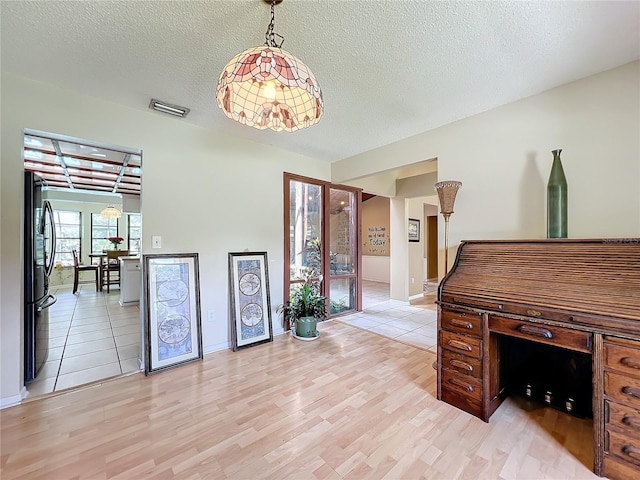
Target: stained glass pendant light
{"points": [[267, 87]]}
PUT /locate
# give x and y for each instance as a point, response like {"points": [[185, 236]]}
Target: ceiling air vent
{"points": [[175, 110]]}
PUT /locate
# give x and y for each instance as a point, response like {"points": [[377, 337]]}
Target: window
{"points": [[133, 233], [68, 228], [101, 229], [343, 255], [323, 238], [305, 230]]}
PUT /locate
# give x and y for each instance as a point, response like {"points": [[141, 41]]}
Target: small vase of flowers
{"points": [[115, 241]]}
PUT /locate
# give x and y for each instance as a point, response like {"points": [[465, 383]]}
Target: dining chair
{"points": [[78, 268], [110, 274]]}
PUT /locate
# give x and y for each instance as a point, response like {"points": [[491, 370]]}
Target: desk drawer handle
{"points": [[632, 392], [461, 364], [630, 362], [632, 451], [631, 421], [461, 384], [534, 313], [460, 324], [535, 331], [459, 345]]}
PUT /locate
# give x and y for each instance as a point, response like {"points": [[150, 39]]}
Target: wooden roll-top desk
{"points": [[579, 300]]}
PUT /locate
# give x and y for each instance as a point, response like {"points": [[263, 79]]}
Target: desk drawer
{"points": [[616, 469], [463, 402], [622, 358], [462, 322], [462, 384], [551, 335], [622, 389], [623, 447], [462, 363], [621, 417], [461, 344]]}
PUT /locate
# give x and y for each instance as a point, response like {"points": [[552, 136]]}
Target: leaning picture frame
{"points": [[171, 292], [250, 304], [414, 230]]}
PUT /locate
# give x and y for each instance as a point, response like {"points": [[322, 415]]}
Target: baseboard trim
{"points": [[14, 400]]}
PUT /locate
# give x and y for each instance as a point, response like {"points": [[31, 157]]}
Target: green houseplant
{"points": [[303, 310]]}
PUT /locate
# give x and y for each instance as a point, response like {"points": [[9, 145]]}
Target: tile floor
{"points": [[414, 323], [91, 337]]}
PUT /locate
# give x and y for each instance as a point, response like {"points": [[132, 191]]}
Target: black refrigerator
{"points": [[39, 252]]}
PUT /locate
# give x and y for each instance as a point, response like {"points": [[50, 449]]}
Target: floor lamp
{"points": [[447, 191]]}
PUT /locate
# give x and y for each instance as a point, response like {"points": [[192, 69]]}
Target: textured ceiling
{"points": [[388, 69]]}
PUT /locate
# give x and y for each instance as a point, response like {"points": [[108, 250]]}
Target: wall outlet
{"points": [[156, 241], [413, 280], [211, 315]]}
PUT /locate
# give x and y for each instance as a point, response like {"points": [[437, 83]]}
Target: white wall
{"points": [[201, 191], [376, 268], [416, 276], [399, 260], [407, 257], [503, 157]]}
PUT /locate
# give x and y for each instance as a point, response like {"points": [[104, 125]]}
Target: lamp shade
{"points": [[267, 87], [447, 191], [111, 212]]}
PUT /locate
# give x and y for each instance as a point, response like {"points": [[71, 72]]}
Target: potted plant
{"points": [[303, 310]]}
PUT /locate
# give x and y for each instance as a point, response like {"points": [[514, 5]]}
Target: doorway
{"points": [[91, 335], [432, 248]]}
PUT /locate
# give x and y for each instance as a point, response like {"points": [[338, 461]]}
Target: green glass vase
{"points": [[557, 199]]}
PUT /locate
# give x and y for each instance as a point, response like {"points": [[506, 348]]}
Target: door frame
{"points": [[325, 237]]}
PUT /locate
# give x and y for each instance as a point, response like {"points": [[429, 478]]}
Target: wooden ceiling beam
{"points": [[106, 161]]}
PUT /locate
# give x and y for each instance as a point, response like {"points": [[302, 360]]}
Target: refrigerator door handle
{"points": [[49, 213], [49, 300]]}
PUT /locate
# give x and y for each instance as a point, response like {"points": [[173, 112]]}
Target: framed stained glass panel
{"points": [[173, 331], [250, 301]]}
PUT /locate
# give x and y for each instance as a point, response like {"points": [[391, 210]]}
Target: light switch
{"points": [[156, 241]]}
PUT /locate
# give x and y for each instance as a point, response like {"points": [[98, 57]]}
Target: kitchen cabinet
{"points": [[130, 280]]}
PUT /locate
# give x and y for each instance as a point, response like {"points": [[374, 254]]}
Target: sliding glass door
{"points": [[322, 235]]}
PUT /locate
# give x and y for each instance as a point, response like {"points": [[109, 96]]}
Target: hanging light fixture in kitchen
{"points": [[111, 212], [267, 87]]}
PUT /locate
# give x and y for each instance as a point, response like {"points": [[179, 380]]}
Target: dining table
{"points": [[99, 256]]}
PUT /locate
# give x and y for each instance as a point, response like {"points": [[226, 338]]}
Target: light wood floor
{"points": [[352, 404]]}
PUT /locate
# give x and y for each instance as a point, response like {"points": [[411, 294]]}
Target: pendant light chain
{"points": [[270, 35]]}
